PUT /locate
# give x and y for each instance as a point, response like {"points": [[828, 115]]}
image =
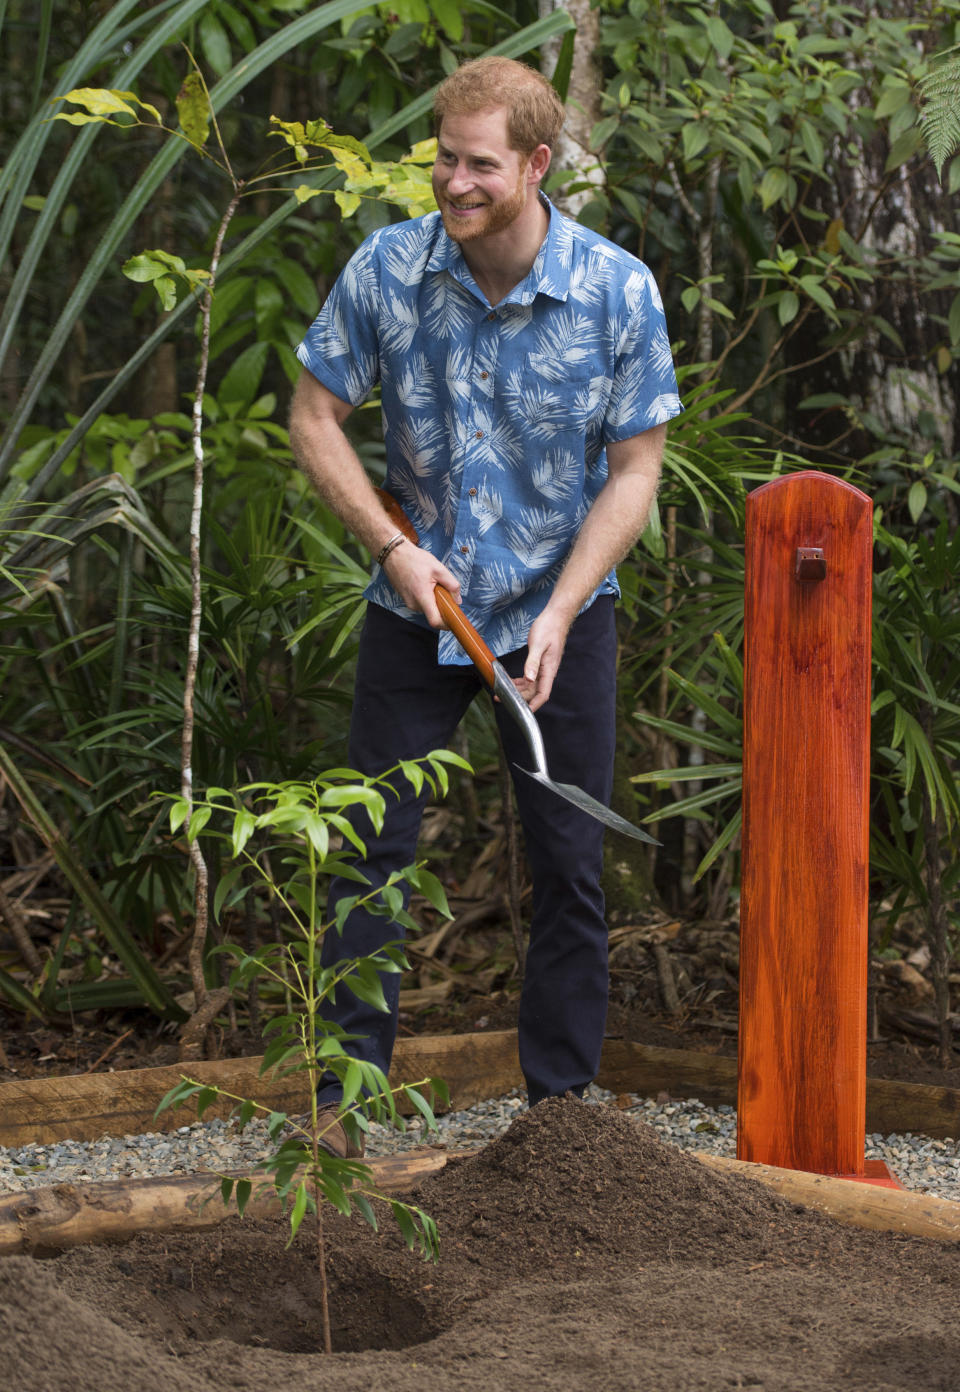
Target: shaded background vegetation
{"points": [[770, 164]]}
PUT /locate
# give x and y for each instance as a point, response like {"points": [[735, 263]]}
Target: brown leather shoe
{"points": [[333, 1136]]}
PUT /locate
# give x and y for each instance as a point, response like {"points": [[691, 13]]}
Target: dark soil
{"points": [[578, 1252]]}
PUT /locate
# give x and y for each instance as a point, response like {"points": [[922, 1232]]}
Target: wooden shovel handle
{"points": [[451, 613]]}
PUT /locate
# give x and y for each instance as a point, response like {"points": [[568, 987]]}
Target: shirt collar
{"points": [[549, 274]]}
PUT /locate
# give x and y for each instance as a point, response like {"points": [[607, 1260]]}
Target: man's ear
{"points": [[538, 164]]}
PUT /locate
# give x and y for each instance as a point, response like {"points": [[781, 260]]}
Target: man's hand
{"points": [[545, 644], [413, 574]]}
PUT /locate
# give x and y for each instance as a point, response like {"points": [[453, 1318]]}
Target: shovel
{"points": [[501, 684]]}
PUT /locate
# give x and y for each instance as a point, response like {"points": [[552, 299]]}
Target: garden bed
{"points": [[577, 1251]]}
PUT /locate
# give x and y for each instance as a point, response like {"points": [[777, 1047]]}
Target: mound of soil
{"points": [[578, 1252]]}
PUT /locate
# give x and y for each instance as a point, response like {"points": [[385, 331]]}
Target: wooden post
{"points": [[803, 955]]}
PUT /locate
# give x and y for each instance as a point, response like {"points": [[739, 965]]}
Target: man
{"points": [[526, 384]]}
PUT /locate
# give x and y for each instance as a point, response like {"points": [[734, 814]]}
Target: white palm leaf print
{"points": [[661, 358], [564, 242], [399, 322], [415, 386], [359, 377], [640, 292], [496, 586], [420, 442], [487, 509], [537, 537], [545, 413], [629, 398], [588, 284], [666, 406], [494, 441], [449, 494], [405, 257], [418, 504], [360, 280], [513, 319], [508, 633], [556, 474], [448, 310], [568, 342], [457, 372]]}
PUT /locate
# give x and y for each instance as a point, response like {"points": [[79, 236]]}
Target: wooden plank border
{"points": [[52, 1218], [474, 1066]]}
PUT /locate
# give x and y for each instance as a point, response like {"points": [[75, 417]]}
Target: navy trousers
{"points": [[405, 705]]}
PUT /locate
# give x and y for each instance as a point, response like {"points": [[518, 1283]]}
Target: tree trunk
{"points": [[572, 150]]}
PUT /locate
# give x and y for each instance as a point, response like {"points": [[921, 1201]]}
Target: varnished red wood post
{"points": [[803, 948]]}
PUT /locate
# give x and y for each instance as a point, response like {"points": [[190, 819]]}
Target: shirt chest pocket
{"points": [[563, 394]]}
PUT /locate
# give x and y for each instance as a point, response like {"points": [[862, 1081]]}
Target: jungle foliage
{"points": [[790, 175]]}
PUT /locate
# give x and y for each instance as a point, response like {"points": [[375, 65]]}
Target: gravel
{"points": [[919, 1163]]}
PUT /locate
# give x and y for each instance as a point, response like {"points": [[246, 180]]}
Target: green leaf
{"points": [[102, 102], [216, 46], [244, 1189], [773, 186], [953, 320], [193, 109], [244, 825], [449, 17], [242, 382], [690, 298], [152, 265], [720, 36], [206, 1096], [917, 500], [788, 307], [812, 144], [299, 1209], [892, 98], [695, 137], [903, 148], [225, 887]]}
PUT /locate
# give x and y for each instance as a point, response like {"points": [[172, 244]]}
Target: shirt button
{"points": [[484, 376], [491, 316], [479, 434], [465, 550], [473, 492]]}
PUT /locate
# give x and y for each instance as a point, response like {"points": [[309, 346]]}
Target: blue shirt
{"points": [[496, 418]]}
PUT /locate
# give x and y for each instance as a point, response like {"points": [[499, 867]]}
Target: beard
{"points": [[496, 216]]}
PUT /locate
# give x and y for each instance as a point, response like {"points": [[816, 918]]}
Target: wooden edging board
{"points": [[474, 1066], [52, 1218]]}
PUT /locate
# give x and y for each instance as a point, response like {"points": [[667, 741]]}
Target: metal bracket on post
{"points": [[811, 563]]}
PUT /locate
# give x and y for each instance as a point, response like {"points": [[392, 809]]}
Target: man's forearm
{"points": [[333, 468]]}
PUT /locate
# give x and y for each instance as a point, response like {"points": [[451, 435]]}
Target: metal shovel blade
{"points": [[591, 806]]}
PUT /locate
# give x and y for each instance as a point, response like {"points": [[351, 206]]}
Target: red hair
{"points": [[534, 112]]}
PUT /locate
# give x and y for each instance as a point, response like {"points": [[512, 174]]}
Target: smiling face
{"points": [[482, 185]]}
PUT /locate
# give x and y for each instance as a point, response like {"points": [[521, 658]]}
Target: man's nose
{"points": [[460, 180]]}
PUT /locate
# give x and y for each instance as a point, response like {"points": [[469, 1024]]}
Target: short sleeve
{"points": [[645, 384], [341, 345]]}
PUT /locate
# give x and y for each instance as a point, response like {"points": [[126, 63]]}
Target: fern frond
{"points": [[940, 112]]}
